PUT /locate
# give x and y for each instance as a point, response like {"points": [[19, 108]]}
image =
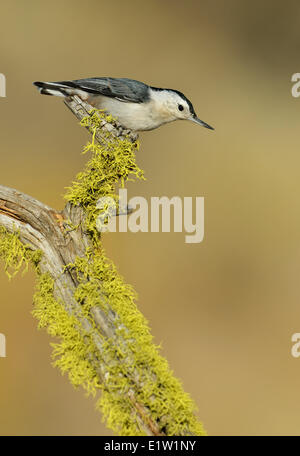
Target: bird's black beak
{"points": [[200, 122]]}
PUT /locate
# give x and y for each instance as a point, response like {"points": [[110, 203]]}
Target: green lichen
{"points": [[111, 162], [134, 356], [132, 361], [71, 354], [15, 254]]}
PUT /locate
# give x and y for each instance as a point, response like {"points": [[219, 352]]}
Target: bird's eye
{"points": [[180, 107]]}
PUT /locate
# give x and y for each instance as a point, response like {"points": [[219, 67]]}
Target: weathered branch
{"points": [[43, 228]]}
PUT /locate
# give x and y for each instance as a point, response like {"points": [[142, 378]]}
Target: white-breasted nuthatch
{"points": [[135, 105]]}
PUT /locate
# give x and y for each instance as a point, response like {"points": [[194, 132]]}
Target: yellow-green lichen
{"points": [[72, 353], [15, 254], [132, 355], [111, 162]]}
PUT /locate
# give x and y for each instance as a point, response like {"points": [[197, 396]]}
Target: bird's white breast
{"points": [[134, 116]]}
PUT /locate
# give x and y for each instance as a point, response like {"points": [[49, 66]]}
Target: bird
{"points": [[136, 105]]}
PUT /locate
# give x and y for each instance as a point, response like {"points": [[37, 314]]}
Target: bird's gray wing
{"points": [[123, 89]]}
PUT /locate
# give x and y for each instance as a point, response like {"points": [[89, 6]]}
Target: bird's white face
{"points": [[179, 108], [171, 105]]}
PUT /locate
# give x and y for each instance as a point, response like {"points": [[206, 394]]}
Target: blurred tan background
{"points": [[224, 310]]}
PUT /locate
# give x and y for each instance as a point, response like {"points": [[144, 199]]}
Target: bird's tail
{"points": [[59, 89]]}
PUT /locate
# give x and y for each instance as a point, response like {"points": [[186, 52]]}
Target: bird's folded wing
{"points": [[123, 89]]}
